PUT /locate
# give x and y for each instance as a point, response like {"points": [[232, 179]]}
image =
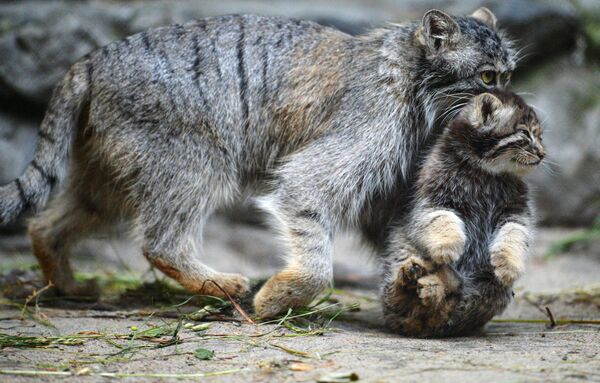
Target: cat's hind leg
{"points": [[183, 265], [53, 233], [171, 230]]}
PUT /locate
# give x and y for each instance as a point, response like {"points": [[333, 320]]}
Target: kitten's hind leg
{"points": [[411, 269]]}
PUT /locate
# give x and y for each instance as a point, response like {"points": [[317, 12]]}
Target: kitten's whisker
{"points": [[527, 94]]}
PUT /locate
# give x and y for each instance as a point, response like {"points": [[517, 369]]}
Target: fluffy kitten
{"points": [[451, 262]]}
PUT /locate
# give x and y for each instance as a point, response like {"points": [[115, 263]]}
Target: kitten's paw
{"points": [[431, 290], [447, 252], [411, 270], [444, 237], [508, 266], [509, 251], [288, 289]]}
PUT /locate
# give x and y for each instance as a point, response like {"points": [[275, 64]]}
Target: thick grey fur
{"points": [[163, 127]]}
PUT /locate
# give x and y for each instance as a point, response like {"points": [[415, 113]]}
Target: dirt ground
{"points": [[138, 335]]}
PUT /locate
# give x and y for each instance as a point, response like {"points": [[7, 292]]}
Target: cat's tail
{"points": [[48, 167]]}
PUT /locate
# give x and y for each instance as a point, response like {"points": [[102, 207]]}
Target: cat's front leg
{"points": [[508, 252], [309, 269], [441, 233]]}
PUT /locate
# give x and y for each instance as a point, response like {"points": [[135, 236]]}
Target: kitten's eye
{"points": [[488, 77], [507, 77], [524, 132]]}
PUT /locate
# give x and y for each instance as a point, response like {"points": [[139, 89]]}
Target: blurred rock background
{"points": [[559, 73]]}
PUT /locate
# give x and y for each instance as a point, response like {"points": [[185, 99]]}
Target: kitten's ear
{"points": [[485, 16], [485, 105], [438, 31]]}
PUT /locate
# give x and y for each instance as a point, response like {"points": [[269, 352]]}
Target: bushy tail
{"points": [[32, 189]]}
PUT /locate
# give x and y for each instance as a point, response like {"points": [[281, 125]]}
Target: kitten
{"points": [[451, 262], [166, 126]]}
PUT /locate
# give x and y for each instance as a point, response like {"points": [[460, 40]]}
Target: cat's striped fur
{"points": [[166, 126]]}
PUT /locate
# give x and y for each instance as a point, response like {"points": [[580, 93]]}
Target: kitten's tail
{"points": [[48, 167]]}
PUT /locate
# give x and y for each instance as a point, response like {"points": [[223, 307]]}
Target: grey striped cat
{"points": [[160, 129]]}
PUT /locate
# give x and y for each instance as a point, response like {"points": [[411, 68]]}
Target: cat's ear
{"points": [[485, 16], [438, 31], [485, 105]]}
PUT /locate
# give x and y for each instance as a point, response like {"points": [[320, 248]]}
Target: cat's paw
{"points": [[444, 237], [431, 290], [411, 269], [285, 290], [508, 266], [223, 284], [448, 249], [509, 251], [88, 290]]}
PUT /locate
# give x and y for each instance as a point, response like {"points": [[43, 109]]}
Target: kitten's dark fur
{"points": [[452, 261]]}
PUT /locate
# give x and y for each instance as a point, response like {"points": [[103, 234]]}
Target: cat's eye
{"points": [[488, 77], [507, 77]]}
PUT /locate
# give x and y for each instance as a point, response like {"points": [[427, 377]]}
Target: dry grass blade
{"points": [[291, 350], [551, 317], [34, 295], [233, 302]]}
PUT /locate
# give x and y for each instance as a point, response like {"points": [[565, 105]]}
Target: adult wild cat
{"points": [[464, 236], [165, 126]]}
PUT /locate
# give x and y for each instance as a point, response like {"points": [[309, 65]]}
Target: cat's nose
{"points": [[540, 154]]}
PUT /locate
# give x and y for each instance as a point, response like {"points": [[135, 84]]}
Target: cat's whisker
{"points": [[546, 168], [451, 112]]}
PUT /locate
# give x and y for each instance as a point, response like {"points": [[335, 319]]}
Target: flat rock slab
{"points": [[506, 352], [98, 339]]}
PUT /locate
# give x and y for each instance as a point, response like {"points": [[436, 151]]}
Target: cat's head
{"points": [[500, 133], [462, 56]]}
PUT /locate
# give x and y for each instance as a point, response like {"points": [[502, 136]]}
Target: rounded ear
{"points": [[438, 31], [485, 105], [485, 16]]}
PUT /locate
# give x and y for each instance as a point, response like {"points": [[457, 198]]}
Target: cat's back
{"points": [[234, 54], [247, 76]]}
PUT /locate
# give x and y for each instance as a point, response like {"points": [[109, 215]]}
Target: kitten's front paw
{"points": [[508, 266], [288, 289], [444, 237], [448, 250]]}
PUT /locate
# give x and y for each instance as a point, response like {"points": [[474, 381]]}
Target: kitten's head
{"points": [[462, 56], [499, 132]]}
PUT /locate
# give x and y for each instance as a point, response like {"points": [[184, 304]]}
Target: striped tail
{"points": [[48, 167]]}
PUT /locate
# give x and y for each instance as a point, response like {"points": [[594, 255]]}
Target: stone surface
{"points": [[17, 141], [508, 350]]}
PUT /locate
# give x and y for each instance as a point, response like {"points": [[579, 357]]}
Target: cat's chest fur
{"points": [[482, 200]]}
